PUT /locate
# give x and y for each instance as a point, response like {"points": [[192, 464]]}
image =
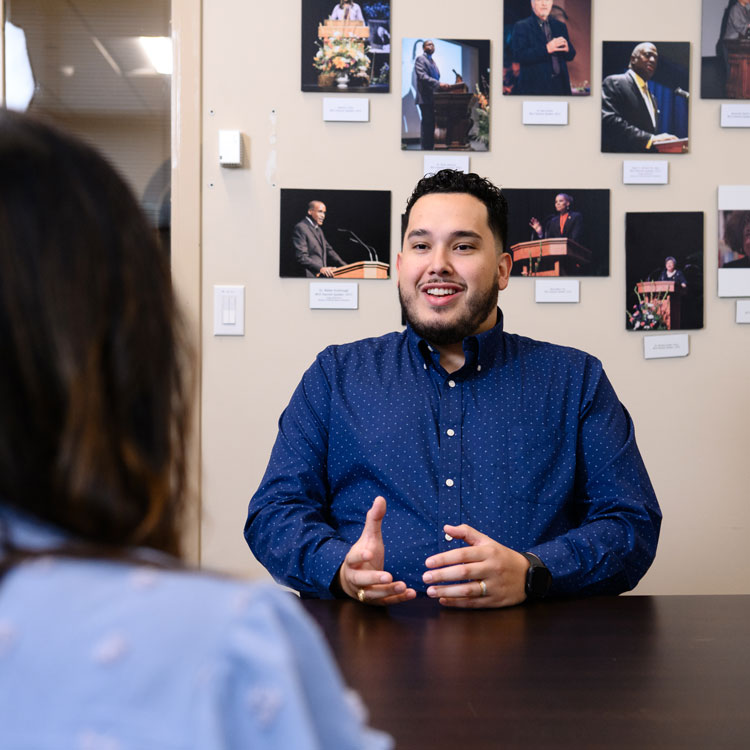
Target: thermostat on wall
{"points": [[230, 148]]}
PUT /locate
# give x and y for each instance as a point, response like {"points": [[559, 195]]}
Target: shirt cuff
{"points": [[328, 560], [562, 561]]}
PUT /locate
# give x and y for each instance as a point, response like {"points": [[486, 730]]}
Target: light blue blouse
{"points": [[112, 656]]}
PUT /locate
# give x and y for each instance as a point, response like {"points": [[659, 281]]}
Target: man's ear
{"points": [[504, 264]]}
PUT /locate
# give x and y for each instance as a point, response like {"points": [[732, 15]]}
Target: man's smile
{"points": [[441, 293]]}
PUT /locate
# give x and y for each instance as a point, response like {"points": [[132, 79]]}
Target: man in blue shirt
{"points": [[509, 466]]}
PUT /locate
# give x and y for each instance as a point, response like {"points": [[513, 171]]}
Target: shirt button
{"points": [[450, 432], [425, 366], [448, 538], [479, 368], [452, 383], [449, 482]]}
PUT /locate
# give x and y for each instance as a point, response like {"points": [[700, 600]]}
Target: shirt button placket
{"points": [[449, 480]]}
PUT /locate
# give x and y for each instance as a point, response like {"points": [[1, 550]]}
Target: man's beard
{"points": [[478, 308]]}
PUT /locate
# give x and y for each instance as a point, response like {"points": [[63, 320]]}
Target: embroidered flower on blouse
{"points": [[265, 704], [110, 649]]}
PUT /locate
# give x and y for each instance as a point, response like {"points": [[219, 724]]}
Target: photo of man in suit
{"points": [[630, 116], [311, 248], [542, 47], [564, 223]]}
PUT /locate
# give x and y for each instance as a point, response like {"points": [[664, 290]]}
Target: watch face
{"points": [[538, 580]]}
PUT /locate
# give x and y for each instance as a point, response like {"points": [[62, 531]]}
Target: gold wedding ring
{"points": [[361, 595], [482, 588]]}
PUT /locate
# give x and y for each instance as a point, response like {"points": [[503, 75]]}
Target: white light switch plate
{"points": [[229, 310]]}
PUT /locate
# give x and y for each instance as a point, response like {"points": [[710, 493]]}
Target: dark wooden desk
{"points": [[610, 672]]}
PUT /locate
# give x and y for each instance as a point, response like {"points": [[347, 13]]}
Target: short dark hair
{"points": [[734, 228], [453, 181], [94, 394]]}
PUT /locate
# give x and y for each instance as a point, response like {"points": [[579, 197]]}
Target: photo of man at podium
{"points": [[664, 291], [572, 240], [345, 46], [645, 92], [335, 234], [445, 94]]}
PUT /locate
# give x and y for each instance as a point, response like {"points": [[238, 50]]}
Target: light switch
{"points": [[229, 310]]}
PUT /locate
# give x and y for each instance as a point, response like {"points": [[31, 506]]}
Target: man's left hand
{"points": [[558, 44], [499, 568]]}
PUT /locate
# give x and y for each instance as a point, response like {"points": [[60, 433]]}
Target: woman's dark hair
{"points": [[734, 230], [453, 181], [93, 399]]}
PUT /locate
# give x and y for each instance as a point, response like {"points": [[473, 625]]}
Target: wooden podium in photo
{"points": [[453, 117], [669, 306], [345, 29], [556, 256], [738, 81], [363, 269]]}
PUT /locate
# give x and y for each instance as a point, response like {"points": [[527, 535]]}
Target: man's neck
{"points": [[452, 357]]}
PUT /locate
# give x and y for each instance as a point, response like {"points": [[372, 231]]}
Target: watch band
{"points": [[538, 577]]}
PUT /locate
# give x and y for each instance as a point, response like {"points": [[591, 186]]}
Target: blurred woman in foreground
{"points": [[106, 640]]}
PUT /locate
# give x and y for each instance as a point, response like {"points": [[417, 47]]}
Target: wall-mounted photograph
{"points": [[445, 94], [664, 270], [547, 47], [346, 46], [734, 241], [335, 234], [725, 49], [645, 92], [558, 232]]}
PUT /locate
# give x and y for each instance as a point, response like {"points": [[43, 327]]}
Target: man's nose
{"points": [[440, 260]]}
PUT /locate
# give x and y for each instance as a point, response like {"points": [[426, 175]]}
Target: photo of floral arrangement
{"points": [[346, 46]]}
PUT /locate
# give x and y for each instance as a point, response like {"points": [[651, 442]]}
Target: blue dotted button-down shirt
{"points": [[527, 443]]}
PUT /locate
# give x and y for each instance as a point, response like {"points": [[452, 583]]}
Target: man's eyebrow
{"points": [[452, 236]]}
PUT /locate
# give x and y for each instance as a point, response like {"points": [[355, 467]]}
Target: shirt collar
{"points": [[640, 81], [480, 350], [26, 532]]}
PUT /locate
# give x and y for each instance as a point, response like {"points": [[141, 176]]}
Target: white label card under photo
{"points": [[735, 115], [645, 172], [349, 109], [743, 311], [342, 295], [734, 197], [545, 113], [434, 163], [734, 282], [557, 290], [671, 345]]}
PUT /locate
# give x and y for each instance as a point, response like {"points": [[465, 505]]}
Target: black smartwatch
{"points": [[538, 577]]}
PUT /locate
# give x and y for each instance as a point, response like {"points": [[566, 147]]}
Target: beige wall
{"points": [[690, 414]]}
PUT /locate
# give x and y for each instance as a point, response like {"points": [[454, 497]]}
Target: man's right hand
{"points": [[362, 569], [326, 271]]}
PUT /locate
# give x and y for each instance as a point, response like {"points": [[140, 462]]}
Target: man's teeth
{"points": [[439, 292]]}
